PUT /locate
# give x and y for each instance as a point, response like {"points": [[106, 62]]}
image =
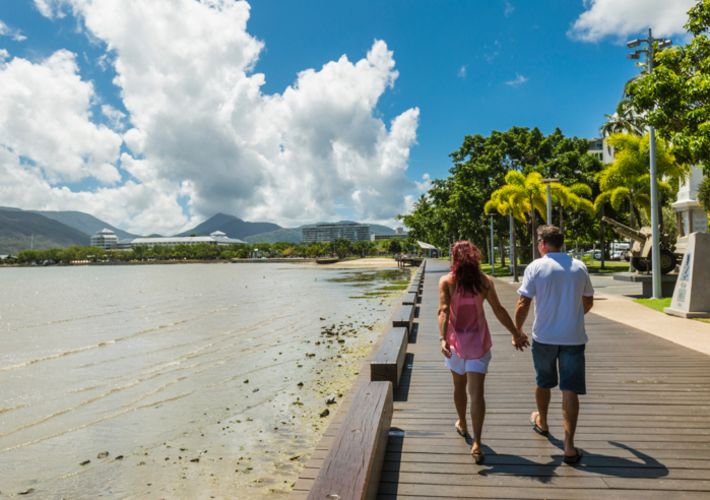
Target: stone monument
{"points": [[691, 296], [691, 217]]}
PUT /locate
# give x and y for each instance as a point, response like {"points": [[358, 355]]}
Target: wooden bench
{"points": [[404, 316], [352, 468], [389, 358], [410, 297]]}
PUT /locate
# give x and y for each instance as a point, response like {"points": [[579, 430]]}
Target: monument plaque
{"points": [[691, 296]]}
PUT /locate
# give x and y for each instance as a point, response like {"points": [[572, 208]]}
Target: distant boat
{"points": [[327, 260]]}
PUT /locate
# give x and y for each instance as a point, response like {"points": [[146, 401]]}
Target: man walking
{"points": [[563, 295]]}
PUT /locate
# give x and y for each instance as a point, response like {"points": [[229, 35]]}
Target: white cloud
{"points": [[517, 81], [425, 184], [201, 129], [115, 117], [44, 117], [629, 17], [508, 8], [13, 33], [462, 72]]}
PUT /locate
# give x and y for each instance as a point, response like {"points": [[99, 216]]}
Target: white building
{"points": [[327, 232], [215, 238], [104, 239]]}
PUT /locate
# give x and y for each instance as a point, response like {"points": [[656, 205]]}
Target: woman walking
{"points": [[464, 335]]}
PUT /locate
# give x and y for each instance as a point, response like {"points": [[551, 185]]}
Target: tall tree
{"points": [[627, 180], [675, 96]]}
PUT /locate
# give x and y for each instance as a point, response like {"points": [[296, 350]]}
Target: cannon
{"points": [[640, 251]]}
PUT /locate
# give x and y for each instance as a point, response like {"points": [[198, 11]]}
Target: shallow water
{"points": [[174, 381]]}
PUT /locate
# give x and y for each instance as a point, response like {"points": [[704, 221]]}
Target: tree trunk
{"points": [[533, 236], [562, 226], [501, 250], [513, 259]]}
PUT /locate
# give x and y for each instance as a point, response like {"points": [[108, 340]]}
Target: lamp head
{"points": [[634, 55], [664, 43], [633, 43]]}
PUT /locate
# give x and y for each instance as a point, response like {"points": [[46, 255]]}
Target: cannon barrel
{"points": [[625, 230]]}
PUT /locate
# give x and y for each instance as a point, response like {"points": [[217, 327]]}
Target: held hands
{"points": [[520, 341], [445, 350]]}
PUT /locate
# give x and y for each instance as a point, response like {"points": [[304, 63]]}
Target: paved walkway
{"points": [[644, 425], [614, 300]]}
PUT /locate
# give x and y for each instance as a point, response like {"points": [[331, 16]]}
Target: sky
{"points": [[155, 115]]}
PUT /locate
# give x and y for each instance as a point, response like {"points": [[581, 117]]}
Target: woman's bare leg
{"points": [[460, 399], [478, 407]]}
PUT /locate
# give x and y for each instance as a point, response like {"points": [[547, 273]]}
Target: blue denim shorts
{"points": [[570, 358]]}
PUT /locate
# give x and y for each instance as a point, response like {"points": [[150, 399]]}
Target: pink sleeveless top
{"points": [[467, 331]]}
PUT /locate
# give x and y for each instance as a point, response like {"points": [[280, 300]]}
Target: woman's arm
{"points": [[444, 301], [520, 340]]}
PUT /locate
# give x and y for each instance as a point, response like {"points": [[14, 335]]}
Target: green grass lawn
{"points": [[660, 304], [657, 304]]}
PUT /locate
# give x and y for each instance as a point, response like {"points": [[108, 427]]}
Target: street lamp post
{"points": [[493, 259], [547, 183], [655, 237]]}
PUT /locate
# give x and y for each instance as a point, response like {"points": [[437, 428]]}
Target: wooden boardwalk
{"points": [[644, 425]]}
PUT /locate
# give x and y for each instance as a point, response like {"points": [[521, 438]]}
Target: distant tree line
{"points": [[340, 248]]}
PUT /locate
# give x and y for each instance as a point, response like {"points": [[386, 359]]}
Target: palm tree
{"points": [[525, 196], [627, 118], [574, 198]]}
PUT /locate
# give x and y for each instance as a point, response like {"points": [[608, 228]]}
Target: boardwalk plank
{"points": [[644, 425]]}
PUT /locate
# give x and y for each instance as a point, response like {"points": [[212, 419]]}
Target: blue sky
{"points": [[151, 134]]}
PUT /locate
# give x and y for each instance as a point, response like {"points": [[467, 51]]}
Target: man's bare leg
{"points": [[570, 412], [542, 399]]}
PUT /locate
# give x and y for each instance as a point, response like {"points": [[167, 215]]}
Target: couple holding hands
{"points": [[563, 294]]}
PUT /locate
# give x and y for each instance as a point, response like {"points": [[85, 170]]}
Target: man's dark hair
{"points": [[551, 235]]}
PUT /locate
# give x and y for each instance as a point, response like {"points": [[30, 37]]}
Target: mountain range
{"points": [[22, 229]]}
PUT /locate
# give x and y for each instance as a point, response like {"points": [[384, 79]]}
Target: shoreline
{"points": [[360, 263]]}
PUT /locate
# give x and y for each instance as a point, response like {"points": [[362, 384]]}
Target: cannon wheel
{"points": [[668, 262]]}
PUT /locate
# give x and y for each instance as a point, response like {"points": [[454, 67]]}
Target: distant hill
{"points": [[20, 230], [287, 235], [84, 222], [232, 226], [381, 230]]}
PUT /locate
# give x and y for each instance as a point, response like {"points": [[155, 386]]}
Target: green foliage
{"points": [[455, 207], [704, 193], [626, 183], [676, 96], [201, 252]]}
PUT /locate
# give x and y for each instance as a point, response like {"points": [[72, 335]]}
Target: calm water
{"points": [[173, 381]]}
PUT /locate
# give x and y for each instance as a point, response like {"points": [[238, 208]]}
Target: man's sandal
{"points": [[535, 426]]}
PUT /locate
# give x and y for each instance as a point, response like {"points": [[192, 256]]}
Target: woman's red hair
{"points": [[466, 266]]}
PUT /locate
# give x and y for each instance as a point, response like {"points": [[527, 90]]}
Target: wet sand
{"points": [[190, 381]]}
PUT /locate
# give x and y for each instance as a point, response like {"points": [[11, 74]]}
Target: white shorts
{"points": [[461, 366]]}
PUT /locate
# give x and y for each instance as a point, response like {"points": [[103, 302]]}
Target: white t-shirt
{"points": [[557, 282]]}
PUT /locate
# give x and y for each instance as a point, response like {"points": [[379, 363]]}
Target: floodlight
{"points": [[633, 43], [664, 43], [634, 55]]}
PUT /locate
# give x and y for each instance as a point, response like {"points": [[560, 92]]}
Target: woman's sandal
{"points": [[478, 456], [461, 431]]}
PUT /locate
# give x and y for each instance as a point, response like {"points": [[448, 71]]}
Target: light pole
{"points": [[547, 183], [655, 240], [493, 259]]}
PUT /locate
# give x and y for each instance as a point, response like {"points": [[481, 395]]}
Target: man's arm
{"points": [[521, 311], [587, 303]]}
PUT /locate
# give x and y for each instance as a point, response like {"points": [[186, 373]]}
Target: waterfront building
{"points": [[104, 239], [326, 232], [215, 238], [601, 150]]}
